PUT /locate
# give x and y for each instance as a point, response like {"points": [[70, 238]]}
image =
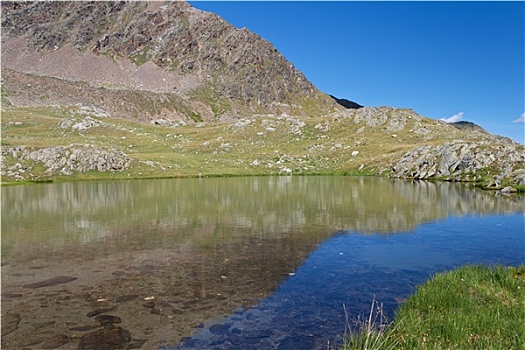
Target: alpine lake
{"points": [[233, 263]]}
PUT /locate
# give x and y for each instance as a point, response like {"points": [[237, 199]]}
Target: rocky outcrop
{"points": [[62, 160], [167, 48], [475, 128], [462, 161], [469, 126]]}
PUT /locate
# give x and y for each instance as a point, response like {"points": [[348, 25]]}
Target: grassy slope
{"points": [[257, 146], [472, 307]]}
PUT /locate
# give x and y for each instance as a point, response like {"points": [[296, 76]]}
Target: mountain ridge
{"points": [[218, 71], [211, 93]]}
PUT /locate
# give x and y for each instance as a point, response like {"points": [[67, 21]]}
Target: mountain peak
{"points": [[210, 69]]}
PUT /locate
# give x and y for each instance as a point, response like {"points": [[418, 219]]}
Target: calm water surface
{"points": [[236, 263]]}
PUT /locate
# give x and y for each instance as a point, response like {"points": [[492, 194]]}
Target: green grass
{"points": [[259, 145], [472, 307]]}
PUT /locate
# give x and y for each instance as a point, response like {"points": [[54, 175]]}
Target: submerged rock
{"points": [[107, 319], [99, 311], [51, 282], [55, 342], [105, 339]]}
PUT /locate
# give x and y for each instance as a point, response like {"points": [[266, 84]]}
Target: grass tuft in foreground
{"points": [[472, 307], [372, 332]]}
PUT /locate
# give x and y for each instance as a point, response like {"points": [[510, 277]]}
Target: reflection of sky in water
{"points": [[451, 242], [306, 311]]}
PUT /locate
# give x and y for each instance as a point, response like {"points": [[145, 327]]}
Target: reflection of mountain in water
{"points": [[202, 246], [269, 205]]}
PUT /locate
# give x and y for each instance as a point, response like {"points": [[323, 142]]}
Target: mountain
{"points": [[469, 126], [473, 127], [94, 89], [147, 61], [346, 103]]}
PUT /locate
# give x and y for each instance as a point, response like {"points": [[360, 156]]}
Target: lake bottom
{"points": [[337, 284]]}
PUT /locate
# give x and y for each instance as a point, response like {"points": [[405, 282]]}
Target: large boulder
{"points": [[457, 159]]}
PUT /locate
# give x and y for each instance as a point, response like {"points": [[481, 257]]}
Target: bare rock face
{"points": [[455, 160], [194, 63], [63, 160]]}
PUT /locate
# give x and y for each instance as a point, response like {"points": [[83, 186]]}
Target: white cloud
{"points": [[521, 119], [453, 119]]}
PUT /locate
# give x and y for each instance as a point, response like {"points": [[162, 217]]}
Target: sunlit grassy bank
{"points": [[473, 307], [335, 144]]}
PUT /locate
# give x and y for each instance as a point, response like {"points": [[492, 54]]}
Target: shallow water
{"points": [[249, 263], [348, 272]]}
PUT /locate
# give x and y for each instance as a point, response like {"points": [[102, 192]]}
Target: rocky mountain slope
{"points": [[147, 60], [84, 142], [113, 89]]}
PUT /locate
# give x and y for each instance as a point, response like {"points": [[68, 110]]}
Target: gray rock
{"points": [[508, 189], [66, 160], [459, 159]]}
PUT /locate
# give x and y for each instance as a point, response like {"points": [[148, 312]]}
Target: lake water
{"points": [[234, 263]]}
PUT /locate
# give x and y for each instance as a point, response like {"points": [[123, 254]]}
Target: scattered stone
{"points": [[51, 282], [149, 304], [83, 125]]}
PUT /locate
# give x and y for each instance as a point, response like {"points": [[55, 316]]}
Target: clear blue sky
{"points": [[442, 59]]}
